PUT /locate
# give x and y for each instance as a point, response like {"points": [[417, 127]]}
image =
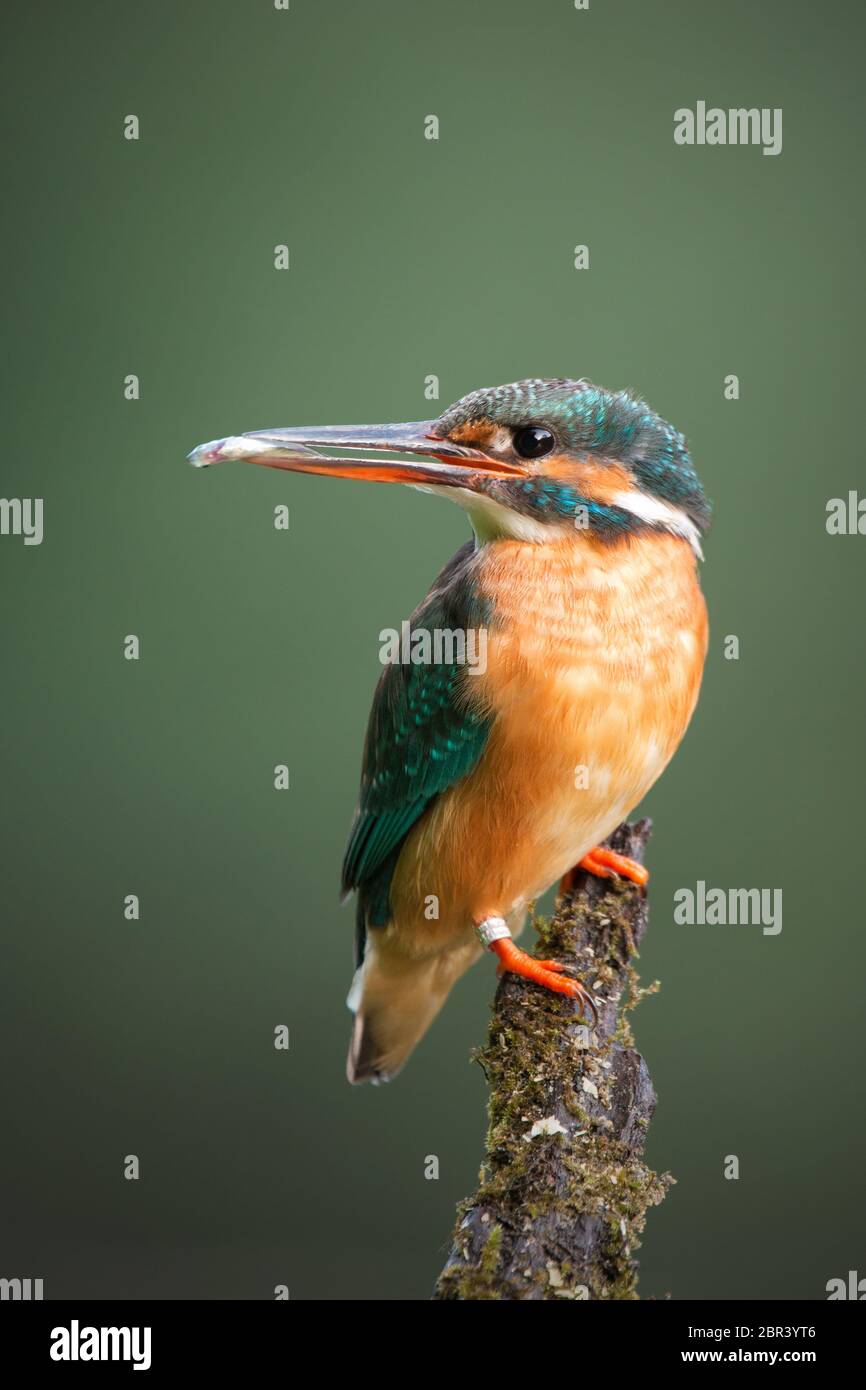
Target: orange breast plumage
{"points": [[594, 661]]}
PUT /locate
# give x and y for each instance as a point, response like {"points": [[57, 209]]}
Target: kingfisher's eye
{"points": [[533, 442]]}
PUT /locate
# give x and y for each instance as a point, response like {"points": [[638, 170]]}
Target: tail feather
{"points": [[394, 1002]]}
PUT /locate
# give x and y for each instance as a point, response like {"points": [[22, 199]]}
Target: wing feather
{"points": [[426, 731]]}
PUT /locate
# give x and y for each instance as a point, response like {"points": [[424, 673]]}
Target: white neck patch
{"points": [[659, 513]]}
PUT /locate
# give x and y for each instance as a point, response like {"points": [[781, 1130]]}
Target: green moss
{"points": [[490, 1256]]}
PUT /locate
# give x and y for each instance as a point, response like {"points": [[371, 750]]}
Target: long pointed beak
{"points": [[435, 461]]}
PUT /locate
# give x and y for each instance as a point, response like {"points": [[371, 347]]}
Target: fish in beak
{"points": [[435, 460]]}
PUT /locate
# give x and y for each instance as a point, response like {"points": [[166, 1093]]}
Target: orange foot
{"points": [[605, 863], [550, 973]]}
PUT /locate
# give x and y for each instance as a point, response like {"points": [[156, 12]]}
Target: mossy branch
{"points": [[563, 1190]]}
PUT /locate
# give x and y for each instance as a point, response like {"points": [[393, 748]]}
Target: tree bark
{"points": [[564, 1190]]}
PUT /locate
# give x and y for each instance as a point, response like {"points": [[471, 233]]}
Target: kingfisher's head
{"points": [[525, 460]]}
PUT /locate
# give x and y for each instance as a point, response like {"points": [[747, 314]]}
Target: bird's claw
{"points": [[585, 998], [607, 863], [552, 974], [555, 965]]}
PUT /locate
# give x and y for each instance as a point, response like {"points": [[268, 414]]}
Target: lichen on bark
{"points": [[564, 1190]]}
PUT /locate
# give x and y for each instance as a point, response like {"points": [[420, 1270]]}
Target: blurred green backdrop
{"points": [[258, 647]]}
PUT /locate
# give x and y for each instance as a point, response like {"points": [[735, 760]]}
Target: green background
{"points": [[258, 647]]}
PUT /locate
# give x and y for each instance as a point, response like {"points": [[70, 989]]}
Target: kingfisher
{"points": [[485, 783]]}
